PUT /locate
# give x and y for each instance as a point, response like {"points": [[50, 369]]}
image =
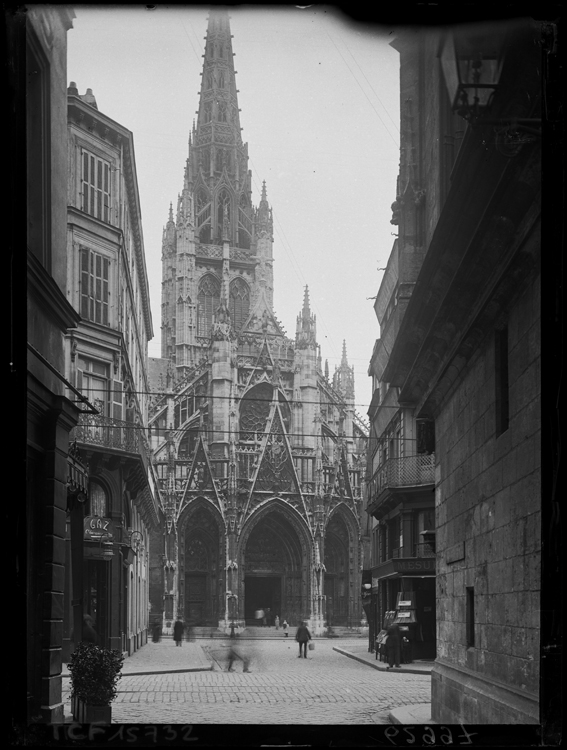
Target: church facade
{"points": [[260, 454]]}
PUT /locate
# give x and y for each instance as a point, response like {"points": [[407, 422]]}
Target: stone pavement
{"points": [[359, 651], [165, 656], [325, 689]]}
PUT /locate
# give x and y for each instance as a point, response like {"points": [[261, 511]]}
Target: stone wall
{"points": [[488, 533]]}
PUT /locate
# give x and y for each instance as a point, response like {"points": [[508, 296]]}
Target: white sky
{"points": [[319, 100]]}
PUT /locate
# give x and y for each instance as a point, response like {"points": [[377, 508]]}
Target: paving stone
{"points": [[326, 688]]}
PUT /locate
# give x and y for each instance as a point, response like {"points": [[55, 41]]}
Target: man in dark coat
{"points": [[393, 646], [178, 629], [302, 636]]}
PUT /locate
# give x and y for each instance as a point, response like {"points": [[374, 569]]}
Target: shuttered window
{"points": [[95, 186], [208, 302], [94, 283]]}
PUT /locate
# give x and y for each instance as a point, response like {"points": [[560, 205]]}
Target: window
{"points": [[98, 500], [208, 302], [94, 286], [93, 381], [470, 616], [96, 186], [501, 380], [239, 303]]}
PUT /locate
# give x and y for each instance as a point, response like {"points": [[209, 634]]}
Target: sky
{"points": [[319, 101]]}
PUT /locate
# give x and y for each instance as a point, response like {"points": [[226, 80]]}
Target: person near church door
{"points": [[178, 629], [302, 636], [285, 628], [277, 622]]}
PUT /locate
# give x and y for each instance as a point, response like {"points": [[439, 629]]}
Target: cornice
{"points": [[50, 297]]}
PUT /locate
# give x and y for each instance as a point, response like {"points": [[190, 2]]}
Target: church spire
{"points": [[343, 379], [306, 332]]}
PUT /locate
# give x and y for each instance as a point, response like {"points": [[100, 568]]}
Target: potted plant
{"points": [[94, 673]]}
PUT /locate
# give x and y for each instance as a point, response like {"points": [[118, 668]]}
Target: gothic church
{"points": [[260, 456]]}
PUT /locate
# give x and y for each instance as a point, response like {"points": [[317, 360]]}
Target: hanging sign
{"points": [[97, 529]]}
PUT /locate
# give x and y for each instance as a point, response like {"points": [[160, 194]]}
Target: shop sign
{"points": [[403, 565], [97, 528], [404, 603]]}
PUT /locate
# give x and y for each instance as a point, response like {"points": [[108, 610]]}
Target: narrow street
{"points": [[326, 688]]}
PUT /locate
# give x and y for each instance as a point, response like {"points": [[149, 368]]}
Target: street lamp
{"points": [[472, 67]]}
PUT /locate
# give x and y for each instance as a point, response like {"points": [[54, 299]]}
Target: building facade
{"points": [[38, 55], [259, 453], [401, 477], [106, 361], [467, 355]]}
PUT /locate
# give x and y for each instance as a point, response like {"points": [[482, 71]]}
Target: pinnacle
{"points": [[344, 359]]}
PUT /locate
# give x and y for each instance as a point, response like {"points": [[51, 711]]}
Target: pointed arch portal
{"points": [[336, 586], [199, 595], [274, 571]]}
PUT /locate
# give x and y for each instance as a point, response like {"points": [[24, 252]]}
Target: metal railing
{"points": [[96, 429], [409, 471]]}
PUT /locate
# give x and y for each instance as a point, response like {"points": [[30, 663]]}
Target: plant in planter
{"points": [[94, 673]]}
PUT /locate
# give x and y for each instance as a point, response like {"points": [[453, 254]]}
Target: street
{"points": [[326, 688]]}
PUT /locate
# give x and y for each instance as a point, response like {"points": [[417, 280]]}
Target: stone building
{"points": [[258, 452], [37, 50], [106, 361], [467, 351], [400, 471]]}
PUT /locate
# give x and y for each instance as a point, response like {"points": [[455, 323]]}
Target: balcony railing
{"points": [[408, 471], [96, 429]]}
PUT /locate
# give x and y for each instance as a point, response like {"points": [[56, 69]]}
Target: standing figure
{"points": [[393, 646], [260, 616], [156, 632], [277, 622], [89, 632], [302, 637], [285, 627], [178, 629]]}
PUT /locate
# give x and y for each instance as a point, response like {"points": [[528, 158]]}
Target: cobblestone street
{"points": [[326, 688]]}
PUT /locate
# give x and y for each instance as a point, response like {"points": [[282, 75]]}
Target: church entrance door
{"points": [[262, 592], [275, 574]]}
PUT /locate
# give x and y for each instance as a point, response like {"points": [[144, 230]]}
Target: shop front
{"points": [[403, 593]]}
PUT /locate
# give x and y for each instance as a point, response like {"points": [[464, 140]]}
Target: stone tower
{"points": [[260, 457]]}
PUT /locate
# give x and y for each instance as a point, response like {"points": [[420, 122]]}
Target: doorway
{"points": [[262, 592]]}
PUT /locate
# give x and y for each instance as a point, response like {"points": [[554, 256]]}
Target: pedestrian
{"points": [[302, 636], [156, 632], [178, 629], [89, 632], [259, 616], [277, 622], [393, 646], [285, 627], [242, 656]]}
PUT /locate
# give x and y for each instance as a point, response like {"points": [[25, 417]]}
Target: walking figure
{"points": [[285, 627], [233, 655], [277, 622], [156, 632], [178, 629], [302, 637]]}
